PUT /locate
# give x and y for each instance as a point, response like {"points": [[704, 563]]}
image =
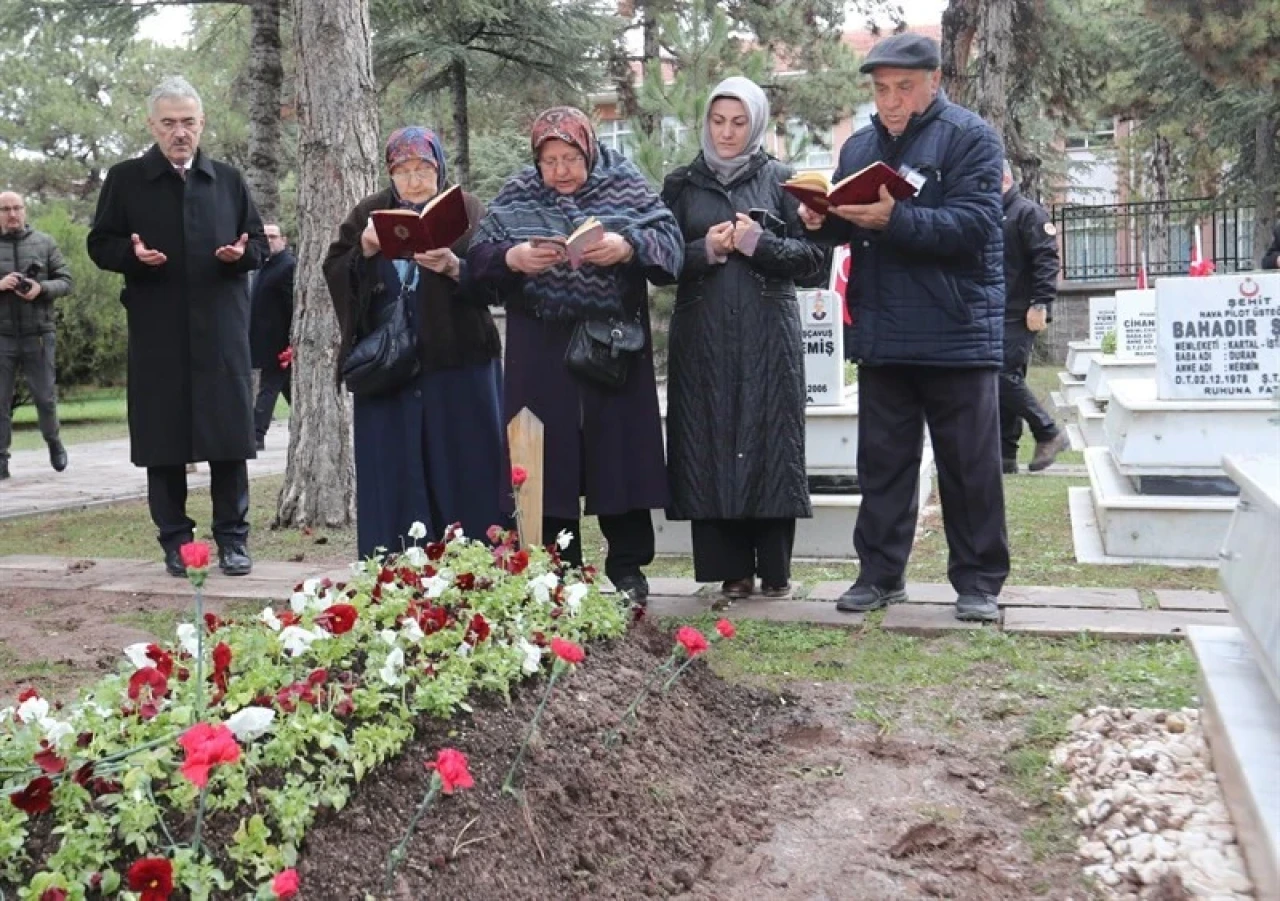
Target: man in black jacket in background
{"points": [[1271, 259], [270, 318], [1031, 283]]}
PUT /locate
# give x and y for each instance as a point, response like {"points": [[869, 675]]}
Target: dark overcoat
{"points": [[271, 310], [735, 395], [190, 389]]}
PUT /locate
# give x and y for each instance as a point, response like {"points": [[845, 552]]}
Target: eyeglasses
{"points": [[413, 175], [568, 163], [12, 209]]}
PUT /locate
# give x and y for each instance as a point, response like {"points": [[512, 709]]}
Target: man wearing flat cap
{"points": [[926, 295]]}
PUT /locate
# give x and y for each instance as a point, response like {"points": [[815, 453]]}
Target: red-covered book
{"points": [[858, 189], [402, 233]]}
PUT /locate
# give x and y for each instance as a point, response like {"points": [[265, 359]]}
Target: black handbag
{"points": [[387, 357], [600, 352]]}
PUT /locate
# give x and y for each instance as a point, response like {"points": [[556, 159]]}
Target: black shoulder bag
{"points": [[387, 357], [601, 351]]}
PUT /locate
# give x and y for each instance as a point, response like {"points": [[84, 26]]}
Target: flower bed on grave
{"points": [[265, 723]]}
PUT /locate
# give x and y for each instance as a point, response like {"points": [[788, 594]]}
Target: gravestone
{"points": [[1135, 324], [1102, 318], [822, 332], [1219, 337]]}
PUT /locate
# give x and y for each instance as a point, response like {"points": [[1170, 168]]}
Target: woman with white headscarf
{"points": [[736, 393]]}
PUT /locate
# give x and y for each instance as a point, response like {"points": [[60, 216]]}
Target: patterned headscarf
{"points": [[413, 142], [567, 124], [753, 99]]}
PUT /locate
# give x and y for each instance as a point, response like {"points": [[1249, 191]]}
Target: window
{"points": [[616, 135], [807, 148], [1102, 135]]}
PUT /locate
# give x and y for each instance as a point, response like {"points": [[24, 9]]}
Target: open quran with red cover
{"points": [[862, 187], [402, 233]]}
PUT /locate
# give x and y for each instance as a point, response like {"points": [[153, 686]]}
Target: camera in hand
{"points": [[24, 284]]}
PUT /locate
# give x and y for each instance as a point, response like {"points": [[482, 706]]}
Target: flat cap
{"points": [[904, 51]]}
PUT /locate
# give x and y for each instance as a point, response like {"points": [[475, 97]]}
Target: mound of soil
{"points": [[645, 818]]}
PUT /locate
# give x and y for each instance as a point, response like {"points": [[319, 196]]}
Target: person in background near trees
{"points": [[270, 318], [183, 230], [736, 391], [33, 274], [431, 450], [927, 297], [1271, 259], [1031, 284], [606, 445]]}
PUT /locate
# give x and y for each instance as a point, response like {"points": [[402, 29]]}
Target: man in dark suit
{"points": [[270, 317], [184, 232]]}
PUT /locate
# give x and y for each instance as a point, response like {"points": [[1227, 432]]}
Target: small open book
{"points": [[586, 235], [402, 233], [862, 187]]}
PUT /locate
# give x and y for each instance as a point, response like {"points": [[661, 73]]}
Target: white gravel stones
{"points": [[1149, 805]]}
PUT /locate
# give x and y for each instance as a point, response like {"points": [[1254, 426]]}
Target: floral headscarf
{"points": [[568, 124], [413, 142]]}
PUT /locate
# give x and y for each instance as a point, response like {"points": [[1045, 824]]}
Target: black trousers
{"points": [[1017, 401], [630, 537], [167, 498], [272, 382], [32, 355], [726, 550], [961, 408]]}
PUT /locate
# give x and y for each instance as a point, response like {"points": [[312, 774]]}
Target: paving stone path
{"points": [[1029, 610]]}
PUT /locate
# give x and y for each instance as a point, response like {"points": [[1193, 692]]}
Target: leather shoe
{"points": [[864, 598], [636, 588], [737, 589], [1009, 467], [173, 563], [233, 560], [776, 592], [261, 443], [4, 469], [57, 455], [977, 608], [1047, 452]]}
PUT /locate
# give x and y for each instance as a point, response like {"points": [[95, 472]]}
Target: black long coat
{"points": [[271, 310], [190, 383], [735, 395]]}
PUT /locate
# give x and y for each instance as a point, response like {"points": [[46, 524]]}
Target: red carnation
{"points": [[567, 651], [338, 619], [206, 746], [36, 798], [451, 765], [153, 876], [726, 629], [195, 555], [285, 885], [693, 641], [519, 475], [285, 357]]}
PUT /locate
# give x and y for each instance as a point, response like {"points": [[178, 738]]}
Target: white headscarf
{"points": [[757, 106]]}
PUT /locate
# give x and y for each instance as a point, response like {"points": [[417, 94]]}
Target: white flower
{"points": [[357, 568], [137, 654], [390, 671], [250, 722], [297, 640], [464, 650], [542, 586], [187, 638], [416, 556], [436, 585], [412, 632], [311, 587], [389, 636], [268, 616], [299, 601], [417, 530], [33, 710], [573, 596], [532, 656], [6, 714], [456, 534], [55, 730], [564, 538]]}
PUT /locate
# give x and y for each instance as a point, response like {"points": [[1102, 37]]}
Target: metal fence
{"points": [[1108, 241]]}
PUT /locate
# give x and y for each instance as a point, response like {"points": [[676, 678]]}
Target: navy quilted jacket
{"points": [[929, 289]]}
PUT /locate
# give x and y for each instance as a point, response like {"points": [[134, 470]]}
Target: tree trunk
{"points": [[461, 122], [1266, 175], [267, 73], [1157, 238], [989, 92], [959, 25], [338, 157], [649, 122]]}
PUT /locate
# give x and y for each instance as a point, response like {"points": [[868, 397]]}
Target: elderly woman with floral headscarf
{"points": [[429, 451], [604, 444], [736, 390]]}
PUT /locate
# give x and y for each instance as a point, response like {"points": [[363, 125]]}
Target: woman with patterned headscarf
{"points": [[429, 451], [601, 444], [736, 390]]}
